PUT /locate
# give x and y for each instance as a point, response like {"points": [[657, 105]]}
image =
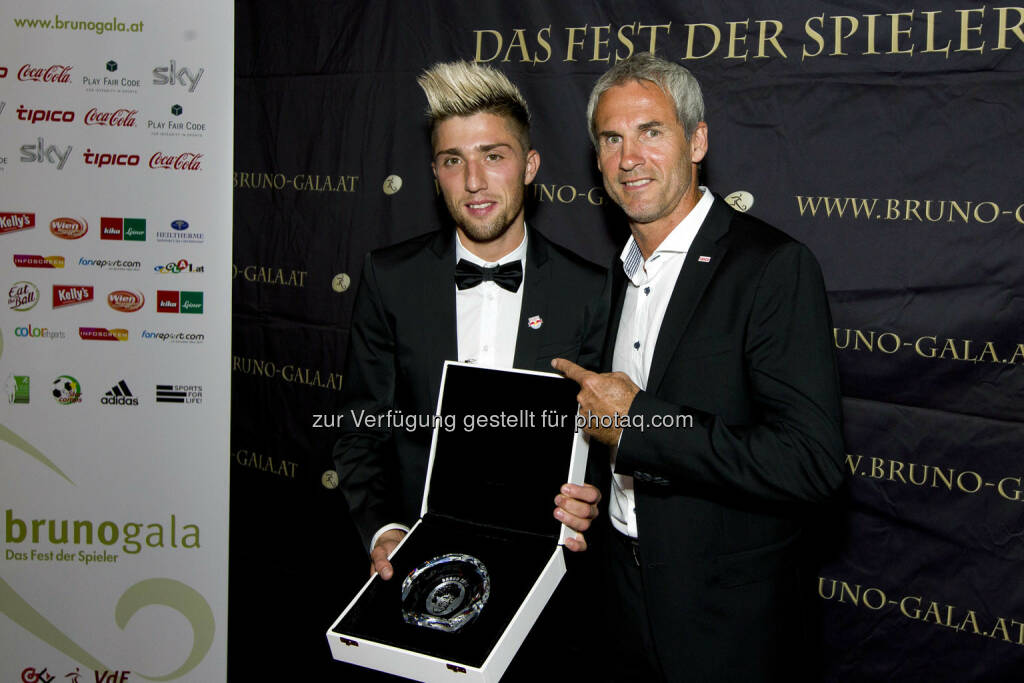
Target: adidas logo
{"points": [[119, 395]]}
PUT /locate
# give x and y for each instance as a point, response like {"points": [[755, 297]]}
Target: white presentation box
{"points": [[489, 493]]}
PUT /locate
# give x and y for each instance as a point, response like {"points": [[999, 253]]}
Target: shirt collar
{"points": [[677, 241], [517, 254]]}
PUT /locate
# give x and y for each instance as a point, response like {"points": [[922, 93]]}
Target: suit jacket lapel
{"points": [[441, 343], [534, 303], [693, 280]]}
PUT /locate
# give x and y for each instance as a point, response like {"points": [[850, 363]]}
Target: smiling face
{"points": [[483, 170], [648, 165]]}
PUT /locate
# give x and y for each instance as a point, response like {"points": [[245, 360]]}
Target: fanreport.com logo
{"points": [[178, 337], [111, 264]]}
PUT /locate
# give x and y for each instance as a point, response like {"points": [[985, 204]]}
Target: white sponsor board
{"points": [[115, 232]]}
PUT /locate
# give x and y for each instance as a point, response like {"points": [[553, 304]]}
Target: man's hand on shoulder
{"points": [[379, 555], [576, 507]]}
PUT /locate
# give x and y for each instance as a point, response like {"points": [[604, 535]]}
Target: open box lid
{"points": [[504, 442]]}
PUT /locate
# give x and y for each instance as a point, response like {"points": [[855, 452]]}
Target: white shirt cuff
{"points": [[386, 527]]}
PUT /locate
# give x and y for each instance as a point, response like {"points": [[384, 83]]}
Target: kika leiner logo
{"points": [[170, 301], [67, 390], [17, 387], [119, 395], [123, 229], [22, 296]]}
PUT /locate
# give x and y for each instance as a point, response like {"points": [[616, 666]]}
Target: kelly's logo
{"points": [[65, 295], [10, 222]]}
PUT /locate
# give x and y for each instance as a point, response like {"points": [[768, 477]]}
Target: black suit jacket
{"points": [[745, 349], [404, 328]]}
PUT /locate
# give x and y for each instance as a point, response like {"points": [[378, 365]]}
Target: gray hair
{"points": [[464, 89], [675, 80]]}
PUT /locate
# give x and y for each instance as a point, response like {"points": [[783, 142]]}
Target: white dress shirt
{"points": [[649, 288], [487, 315], [487, 322]]}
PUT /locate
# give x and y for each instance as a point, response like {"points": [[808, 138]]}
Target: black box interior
{"points": [[491, 495]]}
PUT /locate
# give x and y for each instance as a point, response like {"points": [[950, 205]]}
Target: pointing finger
{"points": [[570, 369]]}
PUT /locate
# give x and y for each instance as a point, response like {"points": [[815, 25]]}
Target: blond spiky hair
{"points": [[464, 89]]}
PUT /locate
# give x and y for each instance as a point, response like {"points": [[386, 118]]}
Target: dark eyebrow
{"points": [[456, 152], [650, 124]]}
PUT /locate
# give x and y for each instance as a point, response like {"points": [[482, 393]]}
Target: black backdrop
{"points": [[886, 137]]}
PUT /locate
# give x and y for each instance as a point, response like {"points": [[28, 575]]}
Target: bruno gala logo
{"points": [[119, 118], [69, 228], [125, 301], [186, 161], [58, 73], [65, 295], [10, 222]]}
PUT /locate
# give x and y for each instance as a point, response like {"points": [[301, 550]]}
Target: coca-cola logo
{"points": [[119, 118], [186, 161], [65, 295], [58, 73], [69, 228], [125, 301], [9, 222]]}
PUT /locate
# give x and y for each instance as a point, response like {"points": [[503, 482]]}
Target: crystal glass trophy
{"points": [[446, 593]]}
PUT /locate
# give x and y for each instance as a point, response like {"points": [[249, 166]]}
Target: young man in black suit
{"points": [[725, 386], [485, 290]]}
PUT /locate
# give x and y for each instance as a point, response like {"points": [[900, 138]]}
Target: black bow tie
{"points": [[507, 276]]}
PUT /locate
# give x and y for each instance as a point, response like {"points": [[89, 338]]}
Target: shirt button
{"points": [[636, 345], [647, 291]]}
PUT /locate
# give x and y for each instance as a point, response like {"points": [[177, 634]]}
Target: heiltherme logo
{"points": [[94, 538]]}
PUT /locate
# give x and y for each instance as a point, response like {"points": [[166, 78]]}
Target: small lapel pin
{"points": [[535, 322], [704, 259]]}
